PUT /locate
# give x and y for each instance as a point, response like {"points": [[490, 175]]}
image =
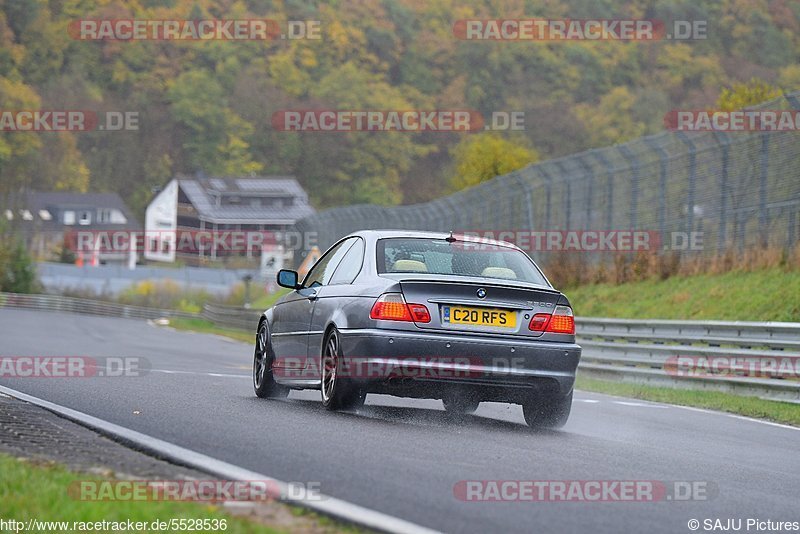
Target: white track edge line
{"points": [[702, 410], [330, 506]]}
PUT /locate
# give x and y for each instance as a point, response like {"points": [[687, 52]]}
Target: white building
{"points": [[198, 218]]}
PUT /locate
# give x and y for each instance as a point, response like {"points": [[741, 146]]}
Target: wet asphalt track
{"points": [[403, 457]]}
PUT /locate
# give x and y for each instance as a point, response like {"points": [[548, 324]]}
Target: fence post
{"points": [[528, 200], [600, 155], [724, 142], [763, 221], [453, 222], [589, 173], [547, 196], [443, 221], [635, 178], [568, 196], [663, 161], [794, 101], [690, 186]]}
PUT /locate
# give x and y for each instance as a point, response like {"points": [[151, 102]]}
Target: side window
{"points": [[320, 274], [351, 264]]}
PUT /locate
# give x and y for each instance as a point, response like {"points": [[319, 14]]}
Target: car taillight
{"points": [[539, 322], [420, 313], [561, 322], [393, 307]]}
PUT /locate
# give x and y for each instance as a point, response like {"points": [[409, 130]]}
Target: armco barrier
{"points": [[643, 351], [58, 303], [232, 317]]}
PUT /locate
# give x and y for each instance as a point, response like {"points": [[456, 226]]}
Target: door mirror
{"points": [[287, 278]]}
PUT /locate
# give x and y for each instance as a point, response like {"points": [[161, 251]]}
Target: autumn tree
{"points": [[481, 157]]}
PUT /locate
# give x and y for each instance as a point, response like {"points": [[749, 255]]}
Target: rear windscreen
{"points": [[459, 258]]}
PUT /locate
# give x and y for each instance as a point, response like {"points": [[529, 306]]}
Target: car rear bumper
{"points": [[427, 364]]}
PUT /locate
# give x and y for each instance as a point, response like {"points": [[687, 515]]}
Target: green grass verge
{"points": [[780, 412], [41, 492], [767, 295], [207, 327]]}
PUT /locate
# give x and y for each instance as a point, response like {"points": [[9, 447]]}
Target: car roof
{"points": [[381, 234]]}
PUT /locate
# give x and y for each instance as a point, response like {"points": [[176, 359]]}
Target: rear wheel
{"points": [[338, 393], [263, 381], [547, 411], [457, 404]]}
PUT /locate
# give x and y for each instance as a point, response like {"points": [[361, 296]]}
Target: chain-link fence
{"points": [[735, 190]]}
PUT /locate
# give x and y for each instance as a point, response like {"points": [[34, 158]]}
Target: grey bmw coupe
{"points": [[421, 314]]}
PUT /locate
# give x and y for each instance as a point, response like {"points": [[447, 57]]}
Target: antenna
{"points": [[450, 238]]}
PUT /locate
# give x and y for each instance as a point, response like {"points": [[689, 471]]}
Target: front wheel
{"points": [[263, 381], [547, 412], [338, 393]]}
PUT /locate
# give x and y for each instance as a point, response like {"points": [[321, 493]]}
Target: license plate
{"points": [[479, 316]]}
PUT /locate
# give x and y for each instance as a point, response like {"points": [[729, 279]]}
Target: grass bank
{"points": [[766, 295], [40, 492]]}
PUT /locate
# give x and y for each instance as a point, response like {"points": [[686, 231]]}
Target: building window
{"points": [[117, 217], [69, 217]]}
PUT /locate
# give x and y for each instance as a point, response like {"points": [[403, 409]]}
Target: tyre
{"points": [[338, 392], [459, 404], [547, 412], [263, 381]]}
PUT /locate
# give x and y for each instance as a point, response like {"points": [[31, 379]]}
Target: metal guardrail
{"points": [[744, 358], [232, 316], [624, 350], [58, 303]]}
